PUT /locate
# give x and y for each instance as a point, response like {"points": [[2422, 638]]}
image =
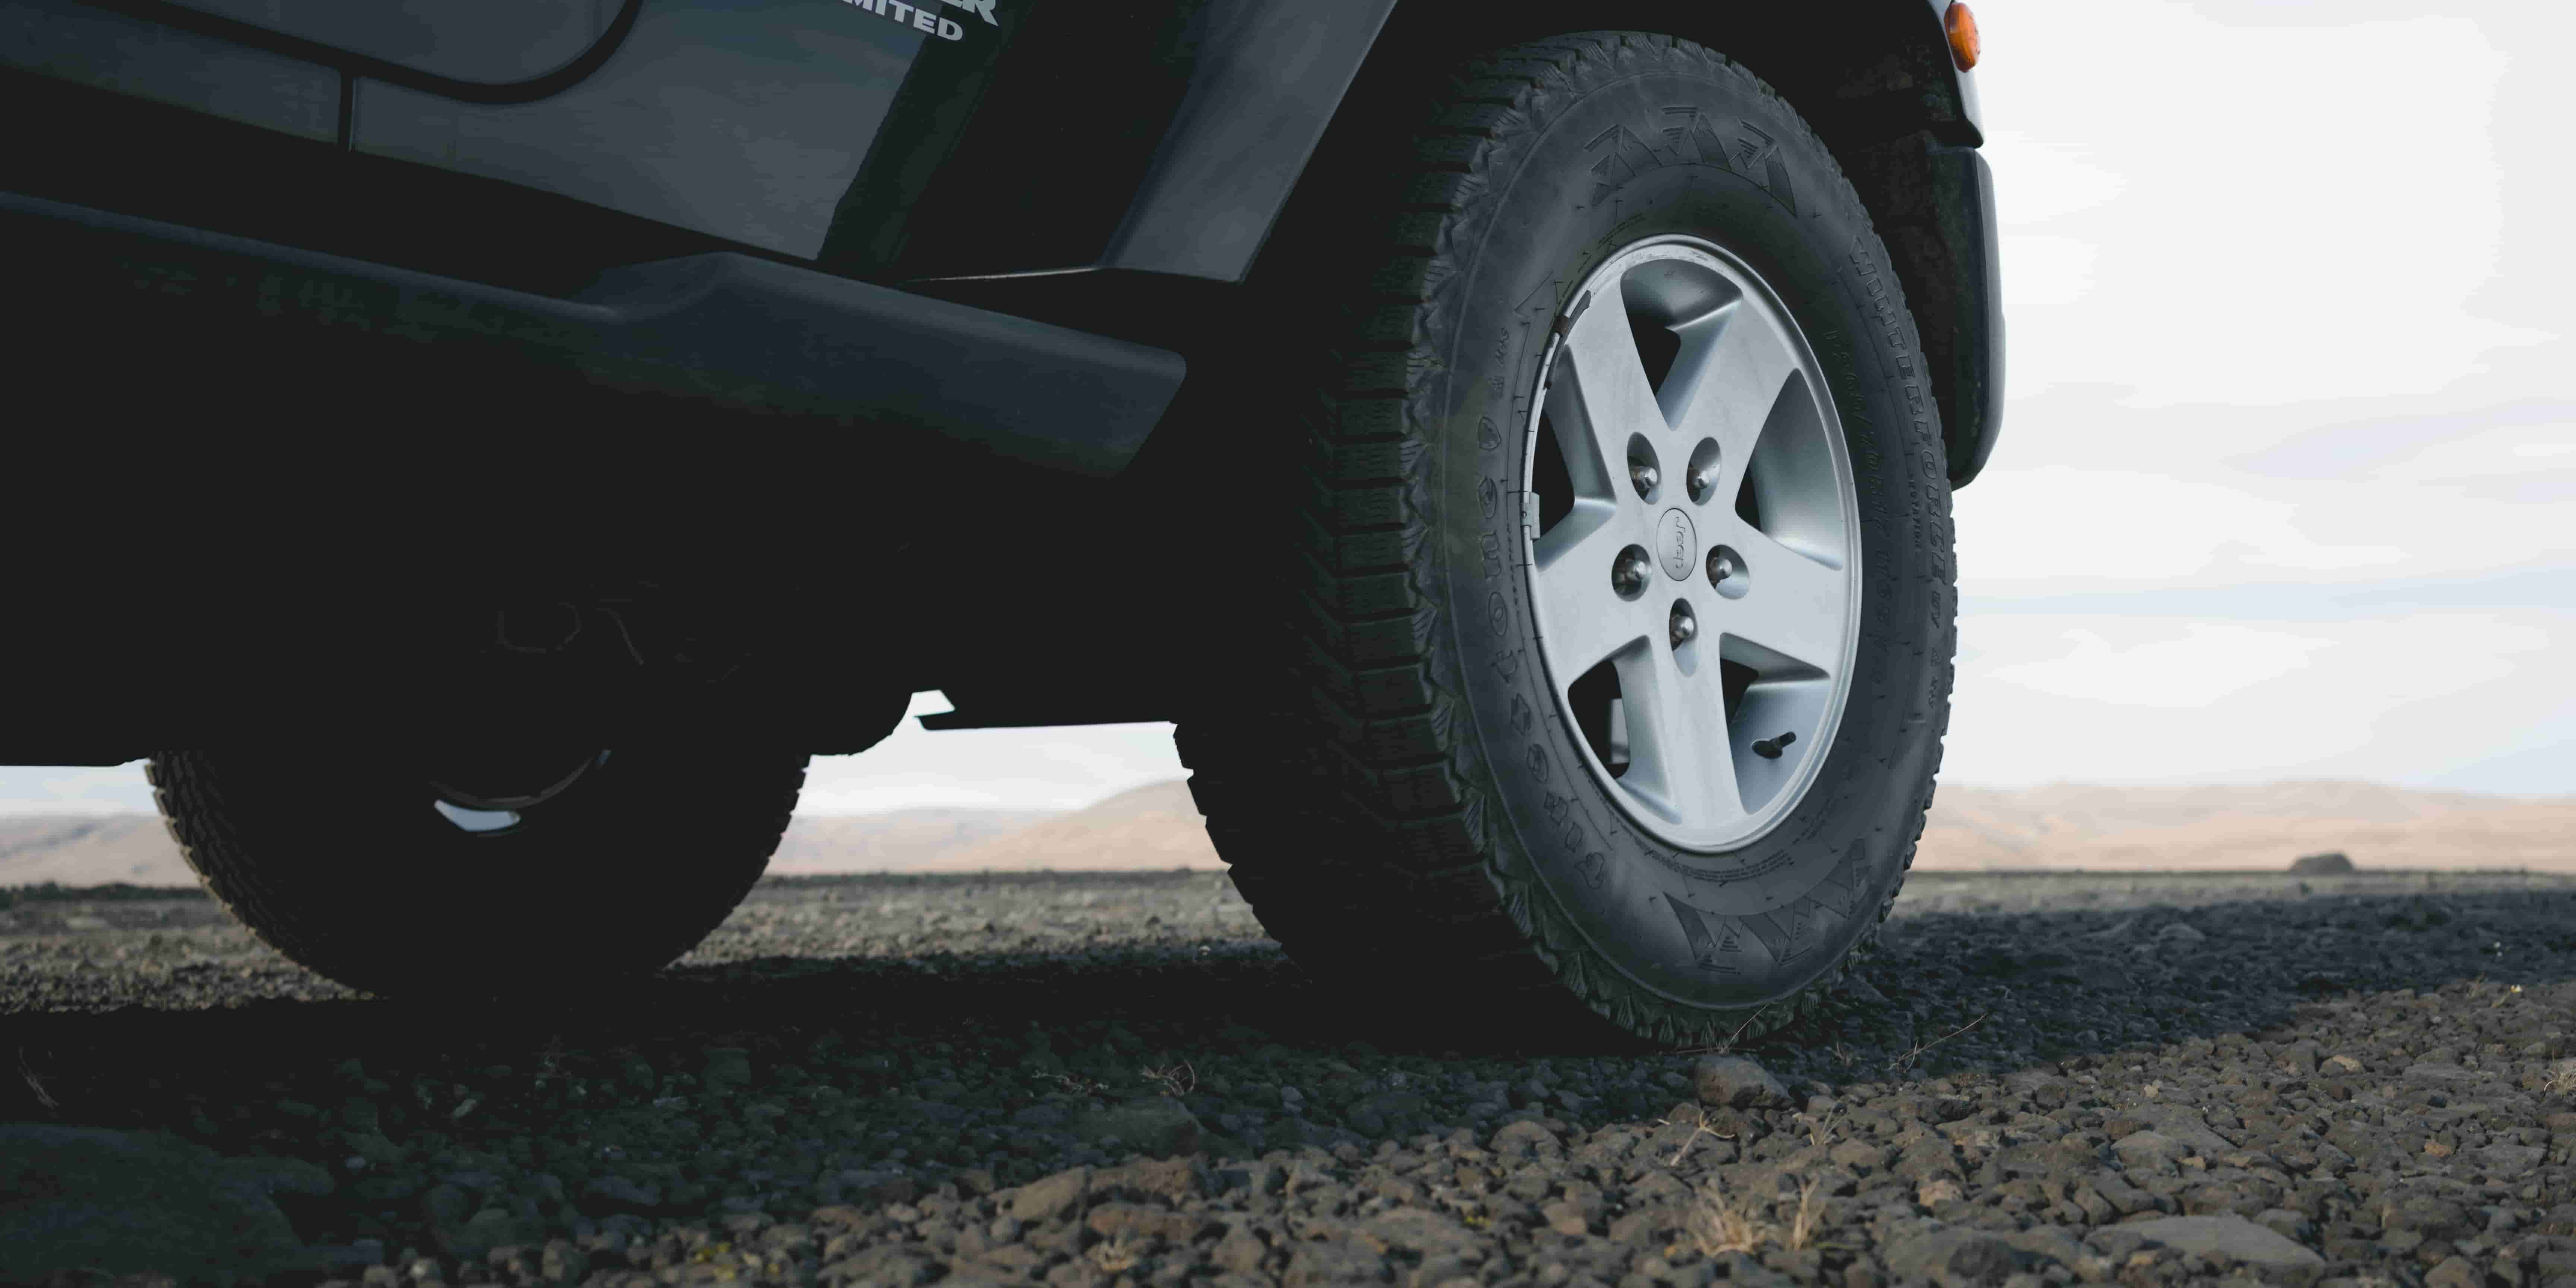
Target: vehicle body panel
{"points": [[492, 42], [745, 122], [135, 56]]}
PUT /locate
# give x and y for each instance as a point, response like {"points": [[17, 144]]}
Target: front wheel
{"points": [[1627, 612], [480, 872]]}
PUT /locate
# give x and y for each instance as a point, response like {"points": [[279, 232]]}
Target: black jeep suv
{"points": [[478, 449]]}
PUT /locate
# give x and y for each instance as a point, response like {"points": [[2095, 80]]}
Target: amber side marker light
{"points": [[1963, 35]]}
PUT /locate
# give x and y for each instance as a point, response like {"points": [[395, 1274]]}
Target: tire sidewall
{"points": [[1643, 152]]}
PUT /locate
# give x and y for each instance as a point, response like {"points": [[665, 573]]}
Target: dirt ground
{"points": [[1114, 1081]]}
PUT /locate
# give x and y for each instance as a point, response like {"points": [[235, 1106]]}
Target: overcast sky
{"points": [[2288, 480]]}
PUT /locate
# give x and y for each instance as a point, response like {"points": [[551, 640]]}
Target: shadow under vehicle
{"points": [[478, 452]]}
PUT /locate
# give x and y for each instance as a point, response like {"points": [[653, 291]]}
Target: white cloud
{"points": [[2089, 526], [2206, 662], [2271, 224], [51, 789], [2413, 698]]}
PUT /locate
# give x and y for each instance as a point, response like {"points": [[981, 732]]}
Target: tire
{"points": [[357, 871], [1410, 805]]}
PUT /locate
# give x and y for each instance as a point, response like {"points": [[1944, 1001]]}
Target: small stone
{"points": [[1050, 1197], [1154, 1125], [2286, 1223], [1137, 1221], [2180, 932], [2455, 1272], [2233, 1238], [2149, 1149], [877, 1187], [726, 1067], [1737, 1083], [1954, 1257], [1524, 1138]]}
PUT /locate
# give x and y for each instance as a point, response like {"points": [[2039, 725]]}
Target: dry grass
{"points": [[1176, 1080], [1721, 1222], [1698, 1129], [1727, 1047], [2559, 1079], [1810, 1214], [1075, 1083], [1115, 1255], [1905, 1062], [1820, 1131], [34, 1083]]}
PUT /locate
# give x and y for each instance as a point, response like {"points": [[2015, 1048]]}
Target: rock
{"points": [[2233, 1239], [2286, 1223], [1524, 1138], [2185, 1124], [2511, 1162], [1737, 1083], [1955, 1256], [135, 1203], [1137, 1221], [726, 1067], [1172, 1180], [1414, 1230], [283, 1175], [2145, 1150], [2420, 913], [1049, 1197], [1151, 1125], [877, 1187], [624, 1192], [2455, 1272], [2332, 863], [2180, 932]]}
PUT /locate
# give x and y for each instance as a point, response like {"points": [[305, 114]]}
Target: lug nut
{"points": [[1719, 566], [1684, 627], [1629, 575], [1702, 482], [1645, 476]]}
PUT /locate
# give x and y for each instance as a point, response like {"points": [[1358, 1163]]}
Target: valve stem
{"points": [[1769, 748]]}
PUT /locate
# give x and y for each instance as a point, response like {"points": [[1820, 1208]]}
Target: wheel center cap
{"points": [[1676, 540]]}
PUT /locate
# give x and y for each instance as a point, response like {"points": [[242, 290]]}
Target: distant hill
{"points": [[89, 849], [904, 840], [1156, 827], [2263, 825], [1152, 827]]}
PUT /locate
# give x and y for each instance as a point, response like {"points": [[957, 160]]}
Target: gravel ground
{"points": [[1114, 1081]]}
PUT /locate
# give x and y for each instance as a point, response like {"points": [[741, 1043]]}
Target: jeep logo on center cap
{"points": [[1675, 542]]}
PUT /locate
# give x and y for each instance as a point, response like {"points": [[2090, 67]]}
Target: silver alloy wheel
{"points": [[1696, 574]]}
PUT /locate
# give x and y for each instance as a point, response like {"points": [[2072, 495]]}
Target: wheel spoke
{"points": [[1725, 382], [1610, 396], [1793, 606], [1680, 763], [1581, 616]]}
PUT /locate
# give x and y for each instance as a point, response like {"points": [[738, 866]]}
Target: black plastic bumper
{"points": [[730, 340], [1964, 189]]}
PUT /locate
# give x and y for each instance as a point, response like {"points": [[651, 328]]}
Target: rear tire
{"points": [[1409, 804], [360, 869]]}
